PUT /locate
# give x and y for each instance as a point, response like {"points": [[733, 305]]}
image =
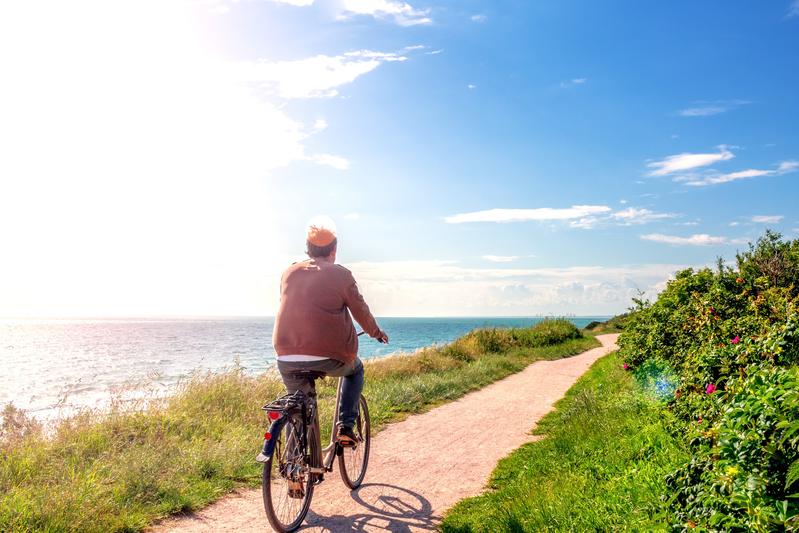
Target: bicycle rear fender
{"points": [[274, 430]]}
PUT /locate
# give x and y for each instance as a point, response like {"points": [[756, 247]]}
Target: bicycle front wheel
{"points": [[353, 460], [287, 481]]}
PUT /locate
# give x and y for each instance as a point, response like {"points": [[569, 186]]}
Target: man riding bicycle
{"points": [[313, 328]]}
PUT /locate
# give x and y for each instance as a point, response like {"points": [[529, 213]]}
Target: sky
{"points": [[480, 158]]}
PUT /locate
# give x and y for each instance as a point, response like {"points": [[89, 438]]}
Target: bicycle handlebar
{"points": [[378, 340]]}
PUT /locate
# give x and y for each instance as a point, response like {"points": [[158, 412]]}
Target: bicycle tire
{"points": [[357, 458], [275, 484]]}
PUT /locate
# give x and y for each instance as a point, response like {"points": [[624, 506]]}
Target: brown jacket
{"points": [[313, 318]]}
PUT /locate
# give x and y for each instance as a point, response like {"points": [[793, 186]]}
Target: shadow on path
{"points": [[382, 508]]}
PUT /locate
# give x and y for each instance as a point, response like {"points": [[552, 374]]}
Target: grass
{"points": [[599, 467], [122, 469], [612, 325]]}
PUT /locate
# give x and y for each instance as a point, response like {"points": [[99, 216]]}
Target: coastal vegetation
{"points": [[693, 425], [729, 340], [121, 469], [612, 325]]}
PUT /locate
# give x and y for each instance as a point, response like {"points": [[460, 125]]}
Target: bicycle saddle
{"points": [[310, 375]]}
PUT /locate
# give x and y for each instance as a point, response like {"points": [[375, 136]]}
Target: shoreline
{"points": [[67, 366]]}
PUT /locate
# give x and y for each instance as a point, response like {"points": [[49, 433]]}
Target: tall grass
{"points": [[600, 466], [121, 469]]}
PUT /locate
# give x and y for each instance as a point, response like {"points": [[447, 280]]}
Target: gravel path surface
{"points": [[423, 465]]}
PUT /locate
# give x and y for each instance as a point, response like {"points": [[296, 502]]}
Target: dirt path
{"points": [[422, 466]]}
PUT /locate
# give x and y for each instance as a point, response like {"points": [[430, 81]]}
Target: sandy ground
{"points": [[423, 465]]}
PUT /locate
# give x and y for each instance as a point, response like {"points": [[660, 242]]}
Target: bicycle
{"points": [[293, 458]]}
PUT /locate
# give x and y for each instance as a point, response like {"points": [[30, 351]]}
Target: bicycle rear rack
{"points": [[288, 403]]}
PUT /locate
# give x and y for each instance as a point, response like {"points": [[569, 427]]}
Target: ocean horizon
{"points": [[59, 365]]}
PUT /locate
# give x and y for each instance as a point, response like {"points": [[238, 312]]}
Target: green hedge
{"points": [[730, 337]]}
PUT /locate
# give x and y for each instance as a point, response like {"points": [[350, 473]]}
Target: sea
{"points": [[51, 368]]}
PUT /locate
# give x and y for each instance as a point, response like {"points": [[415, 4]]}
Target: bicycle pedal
{"points": [[296, 489]]}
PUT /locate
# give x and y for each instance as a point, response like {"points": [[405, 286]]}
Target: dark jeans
{"points": [[350, 388]]}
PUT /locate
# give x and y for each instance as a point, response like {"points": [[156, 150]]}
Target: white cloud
{"points": [[793, 9], [626, 217], [639, 215], [298, 3], [500, 258], [520, 215], [702, 111], [320, 124], [352, 216], [687, 161], [478, 18], [313, 77], [578, 216], [767, 219], [783, 167], [330, 160], [471, 86], [222, 7], [573, 82], [725, 178], [701, 239], [399, 12], [705, 109], [434, 52], [444, 288]]}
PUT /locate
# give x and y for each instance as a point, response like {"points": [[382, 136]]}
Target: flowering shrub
{"points": [[731, 337]]}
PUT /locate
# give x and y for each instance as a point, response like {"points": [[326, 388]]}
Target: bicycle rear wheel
{"points": [[353, 460], [287, 482]]}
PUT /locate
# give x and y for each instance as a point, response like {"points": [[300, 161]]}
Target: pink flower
{"points": [[735, 340], [711, 388], [625, 366], [699, 420]]}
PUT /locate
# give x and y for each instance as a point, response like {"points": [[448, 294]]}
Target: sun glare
{"points": [[133, 168]]}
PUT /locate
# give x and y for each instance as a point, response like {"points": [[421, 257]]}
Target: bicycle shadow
{"points": [[384, 508]]}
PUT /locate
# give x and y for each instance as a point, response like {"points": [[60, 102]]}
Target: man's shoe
{"points": [[346, 436]]}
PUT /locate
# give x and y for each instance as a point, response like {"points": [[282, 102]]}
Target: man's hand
{"points": [[382, 337]]}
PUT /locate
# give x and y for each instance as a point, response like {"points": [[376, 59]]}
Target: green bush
{"points": [[738, 478], [498, 340], [730, 338]]}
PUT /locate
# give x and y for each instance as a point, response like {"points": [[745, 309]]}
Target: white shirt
{"points": [[297, 358]]}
